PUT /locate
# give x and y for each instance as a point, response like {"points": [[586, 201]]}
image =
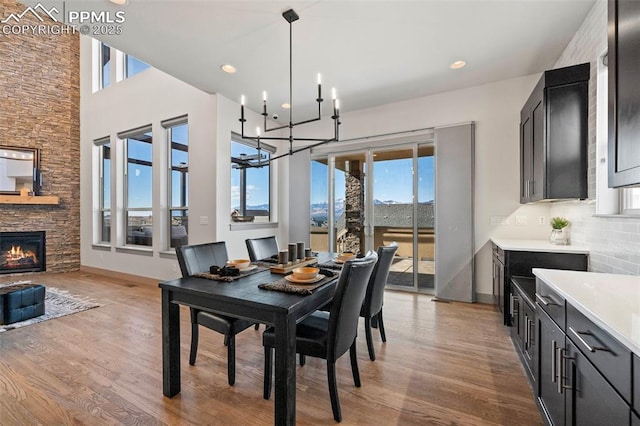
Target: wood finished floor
{"points": [[443, 363]]}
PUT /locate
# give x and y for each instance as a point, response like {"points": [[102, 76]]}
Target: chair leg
{"points": [[231, 360], [194, 337], [367, 333], [333, 391], [257, 325], [354, 365], [383, 336], [226, 340], [268, 353], [374, 321], [303, 359]]}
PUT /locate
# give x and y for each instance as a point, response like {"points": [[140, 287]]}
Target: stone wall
{"points": [[40, 100]]}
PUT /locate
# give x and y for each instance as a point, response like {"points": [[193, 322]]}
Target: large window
{"points": [[105, 65], [133, 66], [250, 181], [138, 152], [104, 155], [178, 137]]}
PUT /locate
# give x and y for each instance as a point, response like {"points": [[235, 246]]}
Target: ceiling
{"points": [[374, 52]]}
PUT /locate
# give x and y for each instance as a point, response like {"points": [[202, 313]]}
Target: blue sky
{"points": [[392, 181]]}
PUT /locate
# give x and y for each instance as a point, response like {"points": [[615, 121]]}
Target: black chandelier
{"points": [[291, 16]]}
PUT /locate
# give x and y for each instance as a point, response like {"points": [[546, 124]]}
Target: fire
{"points": [[16, 253]]}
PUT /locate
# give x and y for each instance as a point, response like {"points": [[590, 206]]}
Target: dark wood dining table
{"points": [[243, 299]]}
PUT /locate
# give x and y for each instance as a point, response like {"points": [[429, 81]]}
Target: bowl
{"points": [[305, 273], [346, 256], [239, 263]]}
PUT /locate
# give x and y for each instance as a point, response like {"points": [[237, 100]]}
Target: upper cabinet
{"points": [[624, 93], [554, 136]]}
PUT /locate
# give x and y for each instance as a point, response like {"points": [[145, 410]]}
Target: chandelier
{"points": [[291, 16]]}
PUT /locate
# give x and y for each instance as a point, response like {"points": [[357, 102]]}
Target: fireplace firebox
{"points": [[22, 252]]}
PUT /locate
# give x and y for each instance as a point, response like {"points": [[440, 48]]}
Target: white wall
{"points": [[495, 108]]}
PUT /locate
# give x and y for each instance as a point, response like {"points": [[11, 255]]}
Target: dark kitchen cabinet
{"points": [[591, 400], [510, 263], [624, 93], [554, 136], [523, 330], [584, 374]]}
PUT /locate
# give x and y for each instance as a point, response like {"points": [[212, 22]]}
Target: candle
{"points": [[319, 79], [264, 96], [258, 131], [242, 100], [333, 93]]}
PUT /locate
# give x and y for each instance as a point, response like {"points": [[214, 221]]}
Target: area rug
{"points": [[58, 303]]}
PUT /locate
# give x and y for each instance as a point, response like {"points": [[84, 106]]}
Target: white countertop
{"points": [[536, 245], [611, 301]]}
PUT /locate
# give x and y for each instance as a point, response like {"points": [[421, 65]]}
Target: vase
{"points": [[559, 237]]}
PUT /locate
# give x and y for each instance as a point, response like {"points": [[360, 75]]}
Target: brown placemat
{"points": [[225, 279], [289, 287]]}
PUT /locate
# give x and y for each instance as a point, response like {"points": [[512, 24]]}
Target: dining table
{"points": [[242, 298]]}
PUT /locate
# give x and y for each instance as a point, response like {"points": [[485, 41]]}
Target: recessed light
{"points": [[457, 65], [119, 2], [285, 106], [228, 68]]}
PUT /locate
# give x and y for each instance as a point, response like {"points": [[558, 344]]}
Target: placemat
{"points": [[331, 265], [225, 279], [289, 287]]}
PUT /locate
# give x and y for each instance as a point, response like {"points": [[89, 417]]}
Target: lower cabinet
{"points": [[584, 377], [523, 323], [590, 399], [550, 339]]}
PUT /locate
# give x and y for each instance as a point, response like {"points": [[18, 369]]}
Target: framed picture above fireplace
{"points": [[19, 169]]}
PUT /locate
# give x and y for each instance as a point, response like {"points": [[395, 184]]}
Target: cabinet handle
{"points": [[581, 340], [554, 361], [532, 187], [546, 300], [531, 330], [562, 359]]}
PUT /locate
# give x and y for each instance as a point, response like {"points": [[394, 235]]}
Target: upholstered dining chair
{"points": [[328, 335], [374, 298], [372, 305], [261, 248], [198, 258]]}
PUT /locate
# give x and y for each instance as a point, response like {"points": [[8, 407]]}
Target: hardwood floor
{"points": [[443, 363]]}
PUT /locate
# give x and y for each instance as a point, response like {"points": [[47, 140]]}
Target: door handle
{"points": [[546, 300]]}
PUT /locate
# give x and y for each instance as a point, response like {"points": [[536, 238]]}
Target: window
{"points": [[104, 147], [178, 137], [133, 66], [250, 181], [138, 152], [631, 201], [105, 65]]}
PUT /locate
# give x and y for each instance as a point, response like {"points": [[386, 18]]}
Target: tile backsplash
{"points": [[613, 242]]}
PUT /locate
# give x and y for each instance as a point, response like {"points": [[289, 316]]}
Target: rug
{"points": [[58, 303]]}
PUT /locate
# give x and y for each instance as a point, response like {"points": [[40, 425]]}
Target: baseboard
{"points": [[120, 275], [487, 299]]}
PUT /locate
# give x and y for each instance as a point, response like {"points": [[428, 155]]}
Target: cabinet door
{"points": [[529, 339], [590, 398], [536, 187], [550, 342], [624, 93], [516, 317], [526, 158], [496, 283]]}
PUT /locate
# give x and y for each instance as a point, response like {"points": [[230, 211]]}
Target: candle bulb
{"points": [[337, 104], [258, 131], [264, 96], [242, 108], [333, 93], [242, 100], [319, 79], [319, 87]]}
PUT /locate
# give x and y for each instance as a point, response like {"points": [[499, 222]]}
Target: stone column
{"points": [[354, 207]]}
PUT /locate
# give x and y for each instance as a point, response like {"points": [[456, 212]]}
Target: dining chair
{"points": [[374, 298], [328, 335], [371, 309], [261, 248], [198, 258]]}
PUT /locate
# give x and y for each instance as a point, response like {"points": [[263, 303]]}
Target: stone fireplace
{"points": [[22, 252]]}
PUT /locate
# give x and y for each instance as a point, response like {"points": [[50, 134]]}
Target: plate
{"points": [[248, 268], [311, 281], [338, 261]]}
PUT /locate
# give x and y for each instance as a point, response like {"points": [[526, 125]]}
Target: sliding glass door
{"points": [[362, 200]]}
